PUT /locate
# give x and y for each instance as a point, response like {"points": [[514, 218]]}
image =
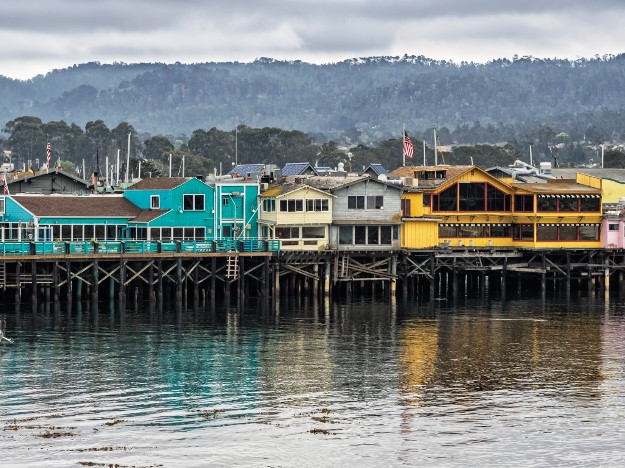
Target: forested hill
{"points": [[376, 96]]}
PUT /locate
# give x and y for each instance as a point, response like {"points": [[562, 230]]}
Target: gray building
{"points": [[366, 213]]}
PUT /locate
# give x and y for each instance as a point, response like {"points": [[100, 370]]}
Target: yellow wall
{"points": [[419, 233], [305, 217], [611, 191]]}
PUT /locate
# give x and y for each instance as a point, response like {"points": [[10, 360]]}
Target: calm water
{"points": [[517, 383]]}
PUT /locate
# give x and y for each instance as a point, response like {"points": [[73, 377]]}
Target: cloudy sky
{"points": [[37, 36]]}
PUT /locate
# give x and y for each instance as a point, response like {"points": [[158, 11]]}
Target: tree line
{"points": [[216, 151]]}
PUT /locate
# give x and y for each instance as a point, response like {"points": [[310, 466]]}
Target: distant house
{"points": [[298, 169], [298, 214], [179, 208], [366, 213], [248, 170], [47, 183], [66, 217], [375, 170]]}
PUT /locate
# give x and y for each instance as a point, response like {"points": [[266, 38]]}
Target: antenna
{"points": [[435, 149], [128, 157]]}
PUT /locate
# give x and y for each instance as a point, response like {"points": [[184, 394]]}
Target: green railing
{"points": [[139, 247]]}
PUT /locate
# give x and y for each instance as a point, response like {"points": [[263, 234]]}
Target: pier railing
{"points": [[139, 247]]}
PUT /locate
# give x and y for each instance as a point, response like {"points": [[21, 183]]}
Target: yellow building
{"points": [[466, 206], [298, 214]]}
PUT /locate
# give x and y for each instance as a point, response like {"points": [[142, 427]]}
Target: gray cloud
{"points": [[40, 35]]}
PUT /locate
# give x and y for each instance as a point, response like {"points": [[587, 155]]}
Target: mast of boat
{"points": [[128, 158]]}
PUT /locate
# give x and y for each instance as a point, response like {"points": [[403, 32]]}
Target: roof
{"points": [[19, 176], [289, 186], [102, 206], [148, 215], [451, 173], [378, 169], [297, 169], [564, 187], [571, 173], [159, 183], [244, 169]]}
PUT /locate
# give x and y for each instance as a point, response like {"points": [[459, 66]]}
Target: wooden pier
{"points": [[424, 275]]}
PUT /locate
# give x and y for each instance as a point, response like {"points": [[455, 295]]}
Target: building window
{"points": [[356, 202], [292, 206], [289, 232], [313, 232], [524, 203], [375, 202], [225, 201], [193, 202], [346, 234], [317, 204], [2, 204], [612, 227], [269, 205], [405, 207], [523, 232], [155, 202], [360, 235]]}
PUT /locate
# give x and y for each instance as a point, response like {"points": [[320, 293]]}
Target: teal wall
{"points": [[14, 213]]}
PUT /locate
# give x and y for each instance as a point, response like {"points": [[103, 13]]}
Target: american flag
{"points": [[408, 148], [6, 185], [48, 153]]}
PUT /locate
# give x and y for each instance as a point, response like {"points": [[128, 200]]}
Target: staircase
{"points": [[232, 267]]}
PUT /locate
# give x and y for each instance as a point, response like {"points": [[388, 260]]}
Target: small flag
{"points": [[408, 148], [48, 153], [6, 185]]}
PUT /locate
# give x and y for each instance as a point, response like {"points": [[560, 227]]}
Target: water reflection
{"points": [[370, 382]]}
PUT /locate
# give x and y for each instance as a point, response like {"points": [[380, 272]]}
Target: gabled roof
{"points": [[378, 169], [159, 183], [332, 183], [245, 169], [20, 176], [148, 215], [114, 206], [298, 169], [279, 190]]}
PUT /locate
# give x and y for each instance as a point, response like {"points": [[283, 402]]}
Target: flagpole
{"points": [[424, 162], [403, 136]]}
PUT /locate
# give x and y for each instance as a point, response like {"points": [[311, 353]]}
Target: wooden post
{"points": [[433, 281], [159, 280], [213, 280], [33, 282], [394, 273], [151, 294], [504, 278], [55, 282], [178, 279], [122, 280], [96, 283], [404, 268], [543, 275], [241, 279], [68, 272]]}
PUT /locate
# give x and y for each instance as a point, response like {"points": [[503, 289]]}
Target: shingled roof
{"points": [[113, 206], [159, 183]]}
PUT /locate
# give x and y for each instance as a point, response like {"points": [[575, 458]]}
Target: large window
{"points": [[317, 204], [523, 232], [313, 232], [569, 203], [292, 206], [524, 203], [289, 232], [155, 202], [356, 202], [447, 199], [469, 230], [193, 202], [496, 199], [375, 202], [567, 232], [472, 197], [368, 235]]}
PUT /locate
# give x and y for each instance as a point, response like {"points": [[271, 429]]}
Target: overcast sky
{"points": [[37, 36]]}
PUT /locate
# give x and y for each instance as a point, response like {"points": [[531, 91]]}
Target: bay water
{"points": [[373, 383]]}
